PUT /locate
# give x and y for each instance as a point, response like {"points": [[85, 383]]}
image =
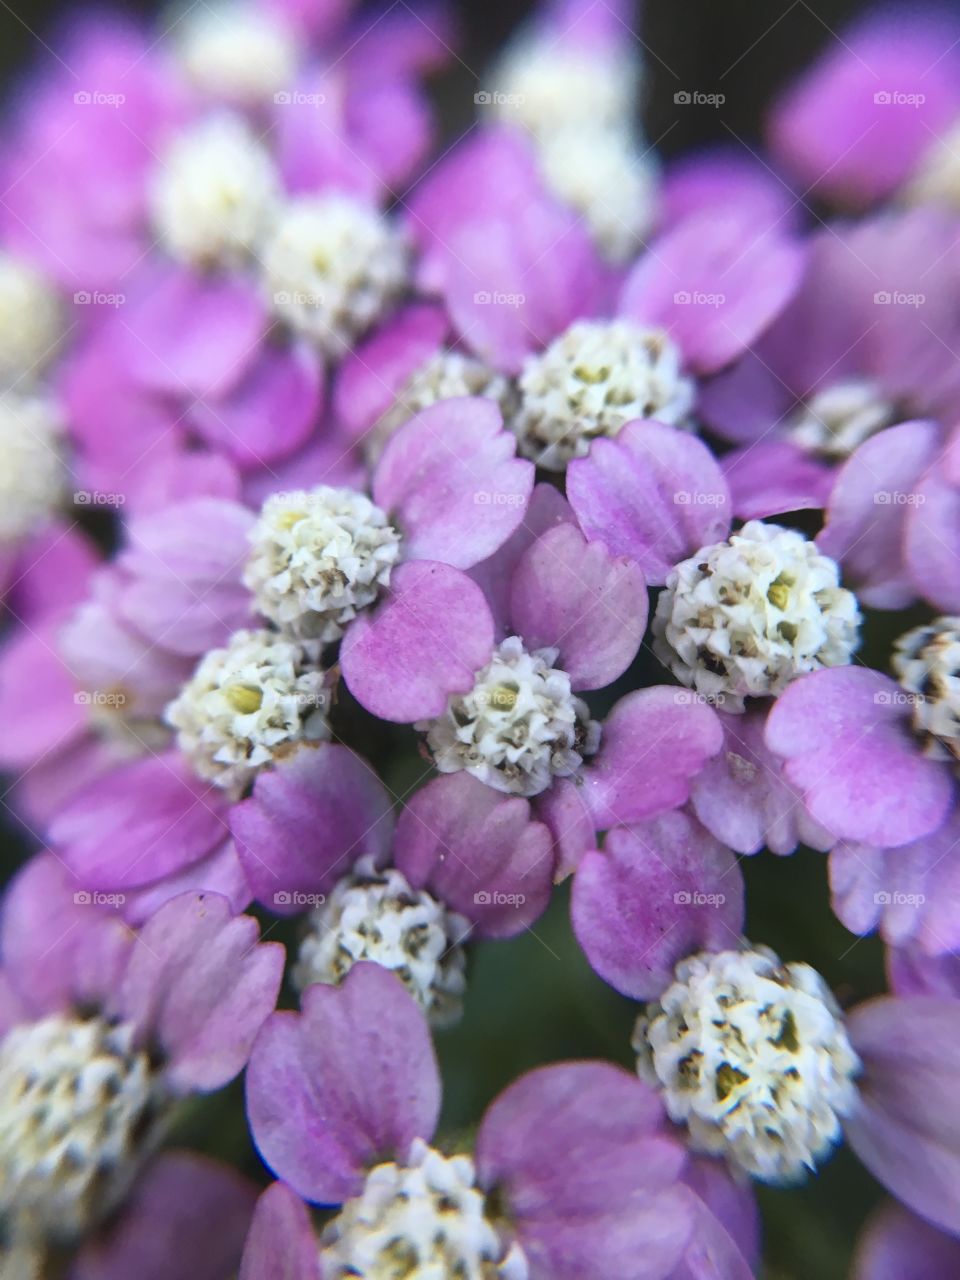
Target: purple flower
{"points": [[105, 1031], [874, 115], [464, 863], [183, 1205], [572, 1175], [754, 1057], [896, 1245], [572, 618], [864, 343]]}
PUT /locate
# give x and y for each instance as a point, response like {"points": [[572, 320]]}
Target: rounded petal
{"points": [[193, 335], [659, 891], [349, 1081], [185, 1220], [59, 947], [426, 640], [773, 476], [654, 742], [184, 566], [270, 412], [139, 823], [906, 1129], [38, 703], [845, 739], [896, 1245], [652, 493], [573, 595], [373, 376], [451, 478], [742, 797], [478, 851], [200, 985], [564, 809], [714, 282], [840, 130], [913, 892], [931, 532], [308, 821], [866, 514], [579, 1154], [282, 1244]]}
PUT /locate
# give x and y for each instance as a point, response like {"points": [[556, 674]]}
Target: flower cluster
{"points": [[460, 527]]}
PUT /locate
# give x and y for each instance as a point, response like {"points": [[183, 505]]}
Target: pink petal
{"points": [[714, 282], [350, 1081], [660, 891], [573, 595], [200, 985], [845, 739], [653, 493], [307, 822], [452, 479], [654, 743], [478, 851], [426, 640]]}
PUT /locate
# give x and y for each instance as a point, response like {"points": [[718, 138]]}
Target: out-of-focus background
{"points": [[535, 1000]]}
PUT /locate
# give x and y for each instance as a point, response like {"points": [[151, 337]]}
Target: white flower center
{"points": [[834, 421], [744, 617], [238, 52], [376, 915], [215, 193], [319, 556], [518, 728], [80, 1106], [753, 1057], [604, 175], [425, 1218], [927, 664], [246, 705], [30, 321], [594, 378], [32, 471], [332, 266], [445, 376], [546, 87]]}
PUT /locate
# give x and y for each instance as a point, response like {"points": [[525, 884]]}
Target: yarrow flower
{"points": [[102, 1038]]}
